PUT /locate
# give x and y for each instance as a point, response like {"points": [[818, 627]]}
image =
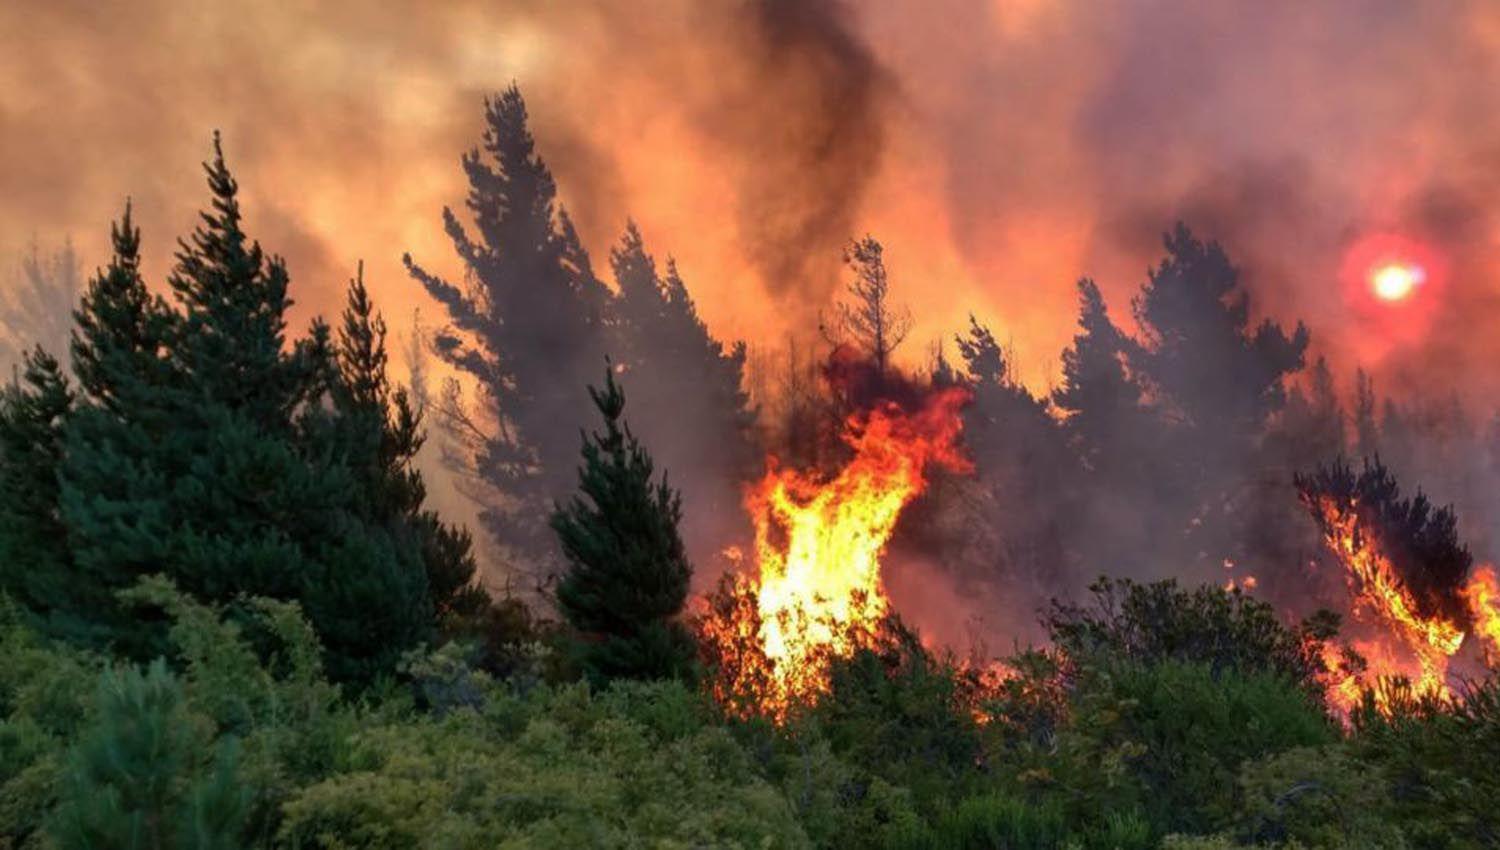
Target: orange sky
{"points": [[999, 149]]}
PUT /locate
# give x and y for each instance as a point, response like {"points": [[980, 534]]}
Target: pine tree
{"points": [[1366, 431], [1022, 462], [205, 451], [383, 434], [34, 569], [868, 320], [687, 389], [1102, 401], [527, 331], [1219, 376], [628, 572], [1420, 540], [144, 777], [1215, 382]]}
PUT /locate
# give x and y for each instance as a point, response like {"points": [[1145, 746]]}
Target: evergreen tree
{"points": [[144, 778], [1217, 375], [33, 561], [1420, 541], [868, 320], [1312, 427], [1022, 462], [628, 572], [1215, 382], [384, 433], [205, 450], [1102, 401], [687, 389], [527, 331], [1366, 431]]}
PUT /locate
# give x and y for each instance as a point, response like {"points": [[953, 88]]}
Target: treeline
{"points": [[229, 619]]}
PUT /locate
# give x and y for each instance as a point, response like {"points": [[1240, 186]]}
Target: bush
{"points": [[637, 765], [1225, 630], [145, 774], [1169, 739], [1440, 762]]}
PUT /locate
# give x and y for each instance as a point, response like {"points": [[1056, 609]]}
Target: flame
{"points": [[818, 593], [1483, 597], [1419, 647]]}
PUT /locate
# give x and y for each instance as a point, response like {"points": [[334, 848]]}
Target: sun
{"points": [[1396, 281]]}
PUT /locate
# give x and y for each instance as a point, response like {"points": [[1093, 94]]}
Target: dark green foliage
{"points": [[209, 447], [1420, 541], [994, 820], [1439, 761], [381, 435], [903, 714], [141, 778], [1158, 622], [628, 573], [33, 559], [1182, 731]]}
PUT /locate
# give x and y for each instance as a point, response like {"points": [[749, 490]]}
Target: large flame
{"points": [[1483, 596], [818, 542], [1416, 647]]}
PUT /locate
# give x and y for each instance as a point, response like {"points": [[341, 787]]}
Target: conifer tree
{"points": [[144, 776], [527, 330], [384, 433], [1215, 382], [628, 572], [868, 320], [1366, 430], [204, 450], [1312, 427], [1022, 462], [34, 409], [687, 390], [1102, 401], [1218, 375]]}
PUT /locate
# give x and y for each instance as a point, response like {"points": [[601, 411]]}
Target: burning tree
{"points": [[818, 592], [1405, 567]]}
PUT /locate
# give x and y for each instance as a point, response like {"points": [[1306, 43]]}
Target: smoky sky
{"points": [[1001, 150]]}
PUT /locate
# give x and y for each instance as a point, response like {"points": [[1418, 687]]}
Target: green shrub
{"points": [[1440, 761], [1317, 797], [1170, 739], [145, 776], [635, 766], [1147, 623]]}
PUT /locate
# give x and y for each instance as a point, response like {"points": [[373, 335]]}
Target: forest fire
{"points": [[818, 593], [1419, 638]]}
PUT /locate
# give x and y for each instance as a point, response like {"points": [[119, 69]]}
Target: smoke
{"points": [[808, 122], [1000, 150]]}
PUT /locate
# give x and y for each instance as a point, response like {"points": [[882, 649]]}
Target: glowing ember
{"points": [[818, 542], [1396, 281]]}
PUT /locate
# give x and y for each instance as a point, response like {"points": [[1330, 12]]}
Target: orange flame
{"points": [[1483, 596], [1426, 643], [818, 544]]}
